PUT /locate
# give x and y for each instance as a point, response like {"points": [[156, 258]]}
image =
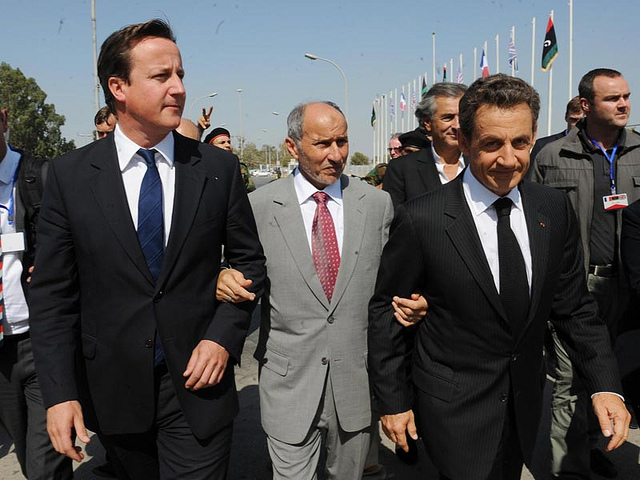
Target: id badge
{"points": [[13, 242], [614, 202]]}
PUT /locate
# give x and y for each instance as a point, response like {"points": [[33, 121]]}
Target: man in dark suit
{"points": [[422, 171], [126, 332], [495, 258]]}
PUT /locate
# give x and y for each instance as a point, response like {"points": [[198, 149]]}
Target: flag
{"points": [[513, 56], [392, 108], [403, 103], [414, 101], [423, 92], [373, 114], [550, 46], [444, 72], [484, 66], [459, 75]]}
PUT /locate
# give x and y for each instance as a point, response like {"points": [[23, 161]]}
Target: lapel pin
{"points": [[543, 225]]}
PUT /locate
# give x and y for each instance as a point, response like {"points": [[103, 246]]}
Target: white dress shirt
{"points": [[480, 201], [440, 166], [15, 305], [133, 169], [304, 191]]}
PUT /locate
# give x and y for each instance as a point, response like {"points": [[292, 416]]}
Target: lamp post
{"points": [[208, 95], [311, 56], [239, 90]]}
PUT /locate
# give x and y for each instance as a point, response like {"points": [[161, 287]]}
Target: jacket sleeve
{"points": [[393, 182]]}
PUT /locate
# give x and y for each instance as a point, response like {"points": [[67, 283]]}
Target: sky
{"points": [[259, 45]]}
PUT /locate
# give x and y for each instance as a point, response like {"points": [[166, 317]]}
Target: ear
{"points": [[463, 145], [292, 147], [427, 125], [584, 103], [117, 88]]}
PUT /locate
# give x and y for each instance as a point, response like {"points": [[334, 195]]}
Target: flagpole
{"points": [[533, 48], [497, 53], [570, 49], [550, 91], [461, 74], [433, 64], [475, 63], [396, 107], [373, 127], [402, 121], [413, 114], [485, 51], [385, 119], [513, 39]]}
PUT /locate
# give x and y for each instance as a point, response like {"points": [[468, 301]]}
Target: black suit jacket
{"points": [[410, 176], [95, 307], [463, 359]]}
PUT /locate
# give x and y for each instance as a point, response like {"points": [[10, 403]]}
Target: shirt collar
{"points": [[436, 157], [304, 188], [8, 166], [127, 148], [480, 198]]}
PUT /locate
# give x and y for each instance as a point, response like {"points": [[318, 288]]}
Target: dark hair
{"points": [[102, 116], [500, 91], [585, 87], [426, 109], [295, 120], [574, 106], [115, 52]]}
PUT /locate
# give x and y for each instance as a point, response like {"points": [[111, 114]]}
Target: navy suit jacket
{"points": [[95, 307]]}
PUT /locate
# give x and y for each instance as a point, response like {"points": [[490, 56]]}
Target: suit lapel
{"points": [[108, 190], [189, 186], [463, 233], [354, 211], [289, 219], [427, 170], [538, 230]]}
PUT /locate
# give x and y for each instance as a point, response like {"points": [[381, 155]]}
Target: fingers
{"points": [[395, 426], [613, 418], [232, 287], [61, 418], [408, 312], [411, 428], [208, 114], [206, 366]]}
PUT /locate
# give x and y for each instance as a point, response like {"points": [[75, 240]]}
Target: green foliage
{"points": [[359, 158], [33, 124], [254, 157]]}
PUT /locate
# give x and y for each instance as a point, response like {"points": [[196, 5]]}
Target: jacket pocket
{"points": [[276, 362], [436, 380]]}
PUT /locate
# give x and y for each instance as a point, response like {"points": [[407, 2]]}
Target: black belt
{"points": [[16, 338], [603, 270]]}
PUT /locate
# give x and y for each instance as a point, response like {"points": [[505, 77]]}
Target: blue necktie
{"points": [[151, 225]]}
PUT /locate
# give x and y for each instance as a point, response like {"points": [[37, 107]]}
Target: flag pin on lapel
{"points": [[543, 225]]}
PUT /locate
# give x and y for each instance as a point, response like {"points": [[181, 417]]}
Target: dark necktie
{"points": [[514, 287], [151, 225], [326, 256]]}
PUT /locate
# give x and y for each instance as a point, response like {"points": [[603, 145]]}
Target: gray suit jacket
{"points": [[302, 335]]}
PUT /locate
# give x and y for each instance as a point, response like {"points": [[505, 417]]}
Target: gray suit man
{"points": [[313, 343]]}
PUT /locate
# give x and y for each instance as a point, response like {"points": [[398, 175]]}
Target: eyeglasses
{"points": [[394, 149]]}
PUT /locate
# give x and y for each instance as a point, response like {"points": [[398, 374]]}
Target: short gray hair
{"points": [[295, 120], [426, 109]]}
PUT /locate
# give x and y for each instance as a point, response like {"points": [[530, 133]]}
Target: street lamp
{"points": [[240, 114], [208, 95], [311, 56]]}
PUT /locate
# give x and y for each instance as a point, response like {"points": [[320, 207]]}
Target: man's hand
{"points": [[206, 366], [409, 312], [204, 121], [394, 427], [611, 411], [30, 273], [62, 419], [232, 287]]}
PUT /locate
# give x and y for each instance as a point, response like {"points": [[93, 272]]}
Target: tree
{"points": [[34, 125], [359, 159]]}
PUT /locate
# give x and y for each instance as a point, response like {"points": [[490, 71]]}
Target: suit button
{"points": [[148, 343], [159, 296], [503, 397], [330, 319], [514, 357], [325, 360]]}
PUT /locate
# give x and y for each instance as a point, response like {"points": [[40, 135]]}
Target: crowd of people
{"points": [[433, 305]]}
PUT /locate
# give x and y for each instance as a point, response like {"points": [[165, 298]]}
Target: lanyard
{"points": [[11, 205], [610, 159]]}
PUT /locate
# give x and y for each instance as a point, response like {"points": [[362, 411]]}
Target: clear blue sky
{"points": [[259, 46]]}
